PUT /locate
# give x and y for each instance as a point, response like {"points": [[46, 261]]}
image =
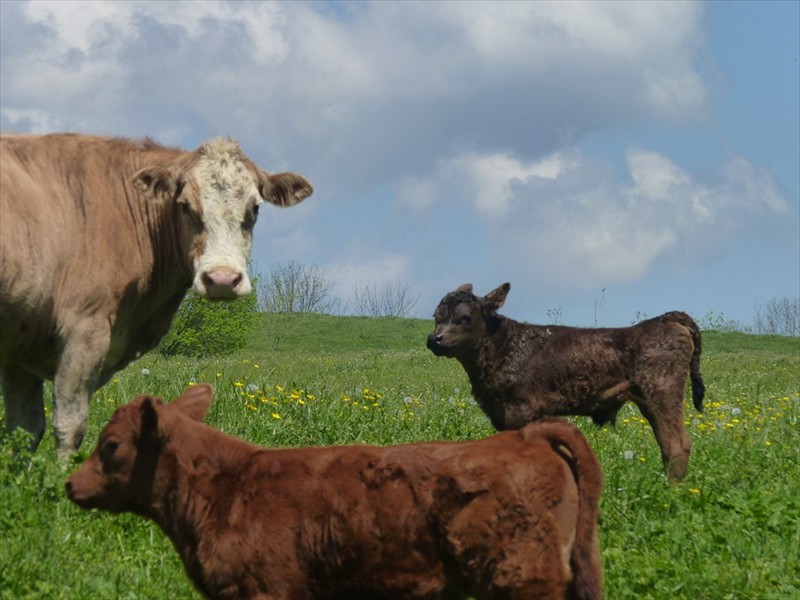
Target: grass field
{"points": [[731, 530]]}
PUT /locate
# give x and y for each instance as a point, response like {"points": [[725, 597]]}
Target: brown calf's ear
{"points": [[195, 401], [284, 189], [156, 182], [496, 298], [467, 287], [149, 412]]}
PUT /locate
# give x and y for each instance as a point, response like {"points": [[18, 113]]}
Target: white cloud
{"points": [[376, 89], [370, 269], [565, 220]]}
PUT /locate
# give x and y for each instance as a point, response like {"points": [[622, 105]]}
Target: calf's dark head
{"points": [[119, 476], [463, 319]]}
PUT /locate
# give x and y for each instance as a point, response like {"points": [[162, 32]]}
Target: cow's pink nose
{"points": [[221, 282]]}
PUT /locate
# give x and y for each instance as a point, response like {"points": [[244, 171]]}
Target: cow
{"points": [[520, 372], [510, 516], [100, 238]]}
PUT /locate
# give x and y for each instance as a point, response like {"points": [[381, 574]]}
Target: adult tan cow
{"points": [[100, 238]]}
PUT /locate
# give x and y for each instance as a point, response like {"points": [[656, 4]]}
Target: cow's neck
{"points": [[485, 364], [192, 470], [172, 269]]}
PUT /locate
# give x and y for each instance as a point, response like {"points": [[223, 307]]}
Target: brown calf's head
{"points": [[463, 319], [218, 191], [118, 476]]}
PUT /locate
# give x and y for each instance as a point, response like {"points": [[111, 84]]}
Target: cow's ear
{"points": [[156, 182], [284, 189], [149, 413], [195, 401], [467, 287], [496, 298]]}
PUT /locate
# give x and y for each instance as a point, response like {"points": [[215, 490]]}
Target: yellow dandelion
{"points": [[276, 416], [694, 490]]}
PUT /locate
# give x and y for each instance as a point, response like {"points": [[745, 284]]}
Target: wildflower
{"points": [[694, 490], [238, 383], [628, 455], [251, 387], [145, 371], [276, 416]]}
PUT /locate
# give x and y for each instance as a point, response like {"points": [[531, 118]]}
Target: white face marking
{"points": [[228, 196]]}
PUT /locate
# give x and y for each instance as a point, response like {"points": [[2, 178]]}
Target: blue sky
{"points": [[610, 160]]}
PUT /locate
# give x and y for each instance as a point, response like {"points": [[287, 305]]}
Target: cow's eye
{"points": [[464, 320], [250, 217], [108, 449]]}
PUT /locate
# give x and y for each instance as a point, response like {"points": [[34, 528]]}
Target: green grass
{"points": [[731, 530]]}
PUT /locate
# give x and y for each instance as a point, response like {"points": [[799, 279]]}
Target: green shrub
{"points": [[202, 328]]}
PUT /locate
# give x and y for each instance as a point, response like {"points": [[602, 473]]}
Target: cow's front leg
{"points": [[518, 411], [22, 392], [76, 380]]}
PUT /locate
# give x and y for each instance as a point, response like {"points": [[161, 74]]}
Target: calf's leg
{"points": [[664, 412], [24, 402]]}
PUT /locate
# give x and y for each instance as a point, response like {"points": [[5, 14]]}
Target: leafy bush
{"points": [[202, 328]]}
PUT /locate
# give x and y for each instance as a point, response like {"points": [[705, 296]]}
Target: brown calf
{"points": [[510, 516], [520, 373]]}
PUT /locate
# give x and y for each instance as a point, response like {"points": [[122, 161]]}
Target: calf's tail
{"points": [[698, 387], [568, 442]]}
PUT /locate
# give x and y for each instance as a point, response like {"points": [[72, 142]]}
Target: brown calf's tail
{"points": [[698, 387], [568, 442]]}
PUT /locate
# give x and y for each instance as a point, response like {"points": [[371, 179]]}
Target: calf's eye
{"points": [[108, 449]]}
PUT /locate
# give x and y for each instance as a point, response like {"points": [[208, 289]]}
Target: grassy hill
{"points": [[729, 531]]}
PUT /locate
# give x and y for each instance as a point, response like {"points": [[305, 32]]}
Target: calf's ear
{"points": [[496, 298], [467, 287], [149, 414], [195, 401], [156, 182], [284, 189]]}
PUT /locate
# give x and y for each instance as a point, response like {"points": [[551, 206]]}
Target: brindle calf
{"points": [[512, 516], [520, 373]]}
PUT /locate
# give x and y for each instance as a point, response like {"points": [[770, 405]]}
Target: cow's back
{"points": [[72, 238]]}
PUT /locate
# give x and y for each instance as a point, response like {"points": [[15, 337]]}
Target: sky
{"points": [[611, 160]]}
